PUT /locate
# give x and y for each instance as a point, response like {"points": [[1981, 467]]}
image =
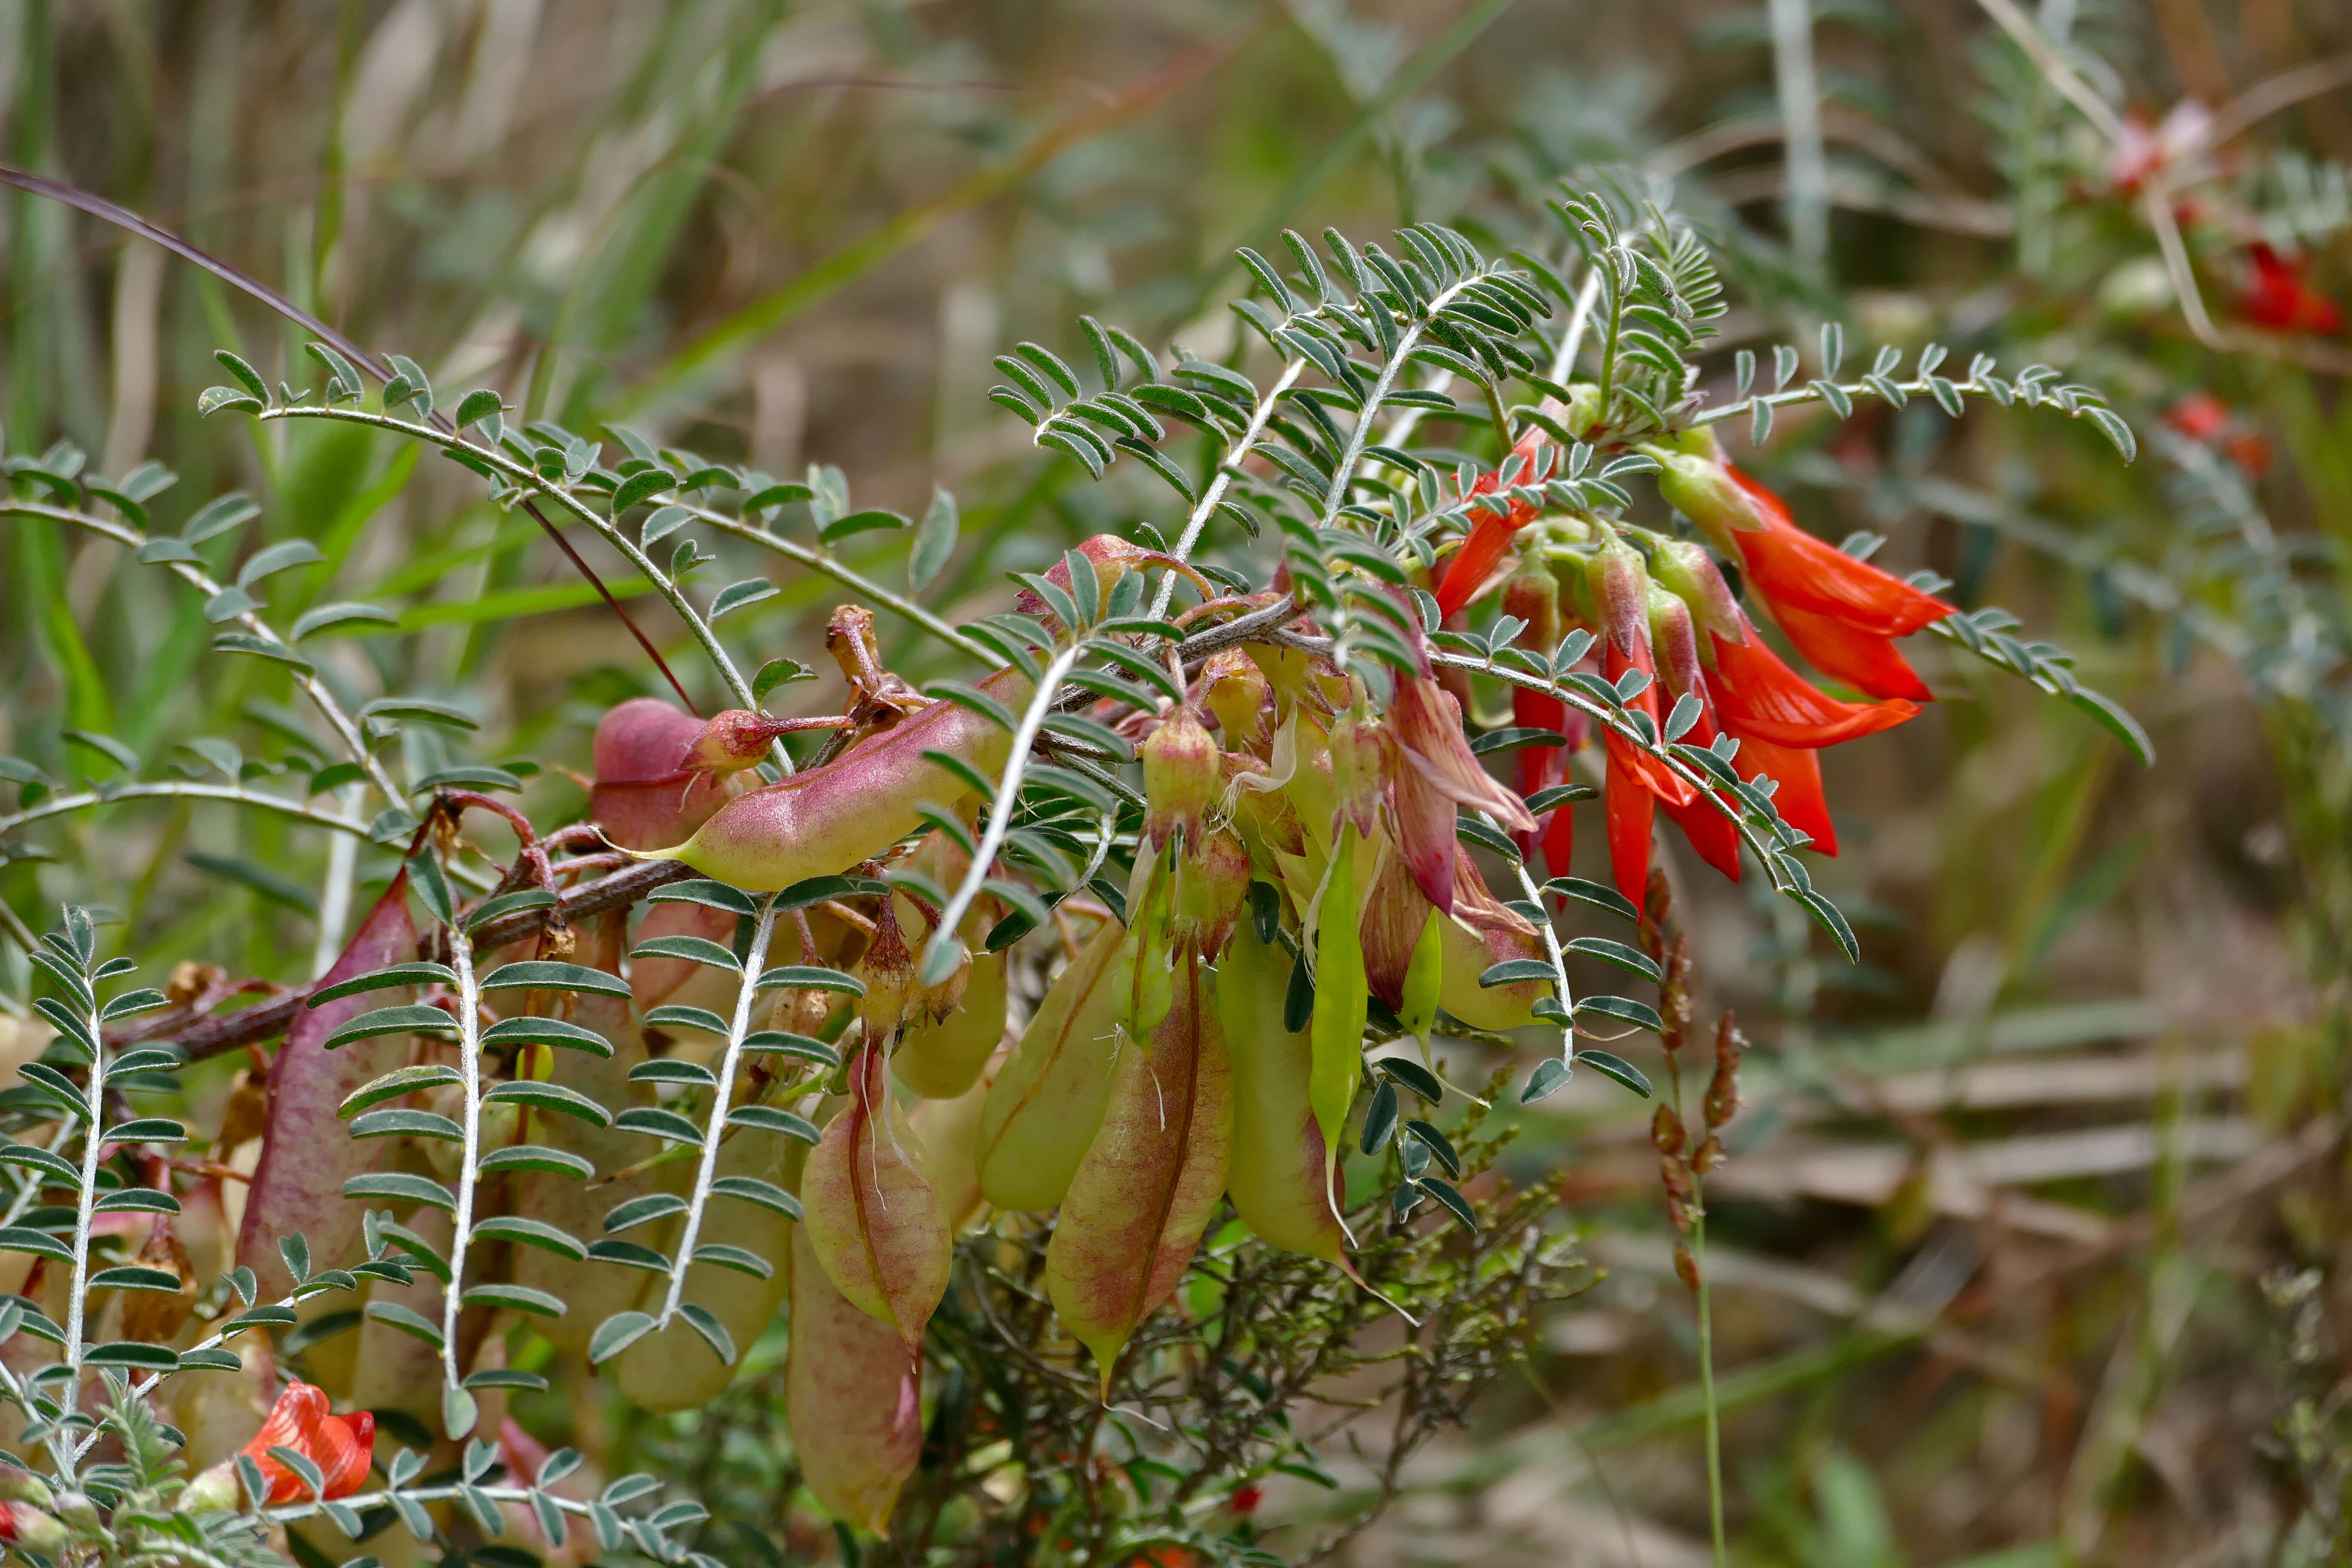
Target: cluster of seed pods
{"points": [[1166, 1065]]}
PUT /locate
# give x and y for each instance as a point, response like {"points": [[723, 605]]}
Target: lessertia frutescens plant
{"points": [[1230, 808]]}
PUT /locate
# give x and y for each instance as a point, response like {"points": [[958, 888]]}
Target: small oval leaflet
{"points": [[549, 975], [1617, 1067]]}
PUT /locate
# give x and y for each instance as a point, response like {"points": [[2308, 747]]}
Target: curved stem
{"points": [[528, 479], [754, 961], [939, 953], [848, 577], [346, 729], [461, 1234], [59, 805], [1360, 435], [1251, 435]]}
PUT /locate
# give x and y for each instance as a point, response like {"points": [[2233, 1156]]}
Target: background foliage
{"points": [[2030, 1242]]}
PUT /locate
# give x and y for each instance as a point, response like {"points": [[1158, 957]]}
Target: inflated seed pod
{"points": [[872, 1216], [1151, 1176], [593, 1290], [306, 1154], [949, 1131], [1046, 1101], [941, 1058], [1279, 1181], [1479, 934], [675, 1368], [853, 1396], [827, 820]]}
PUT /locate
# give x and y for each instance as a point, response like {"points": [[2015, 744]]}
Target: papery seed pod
{"points": [[1237, 691], [642, 794], [822, 821], [1150, 1179], [219, 1415], [594, 1291], [675, 1368], [1279, 1179], [874, 1218], [853, 1396], [1343, 1000], [1708, 1155], [306, 1152], [1181, 776], [949, 1132], [940, 1058], [1685, 1267], [1479, 934], [1047, 1102]]}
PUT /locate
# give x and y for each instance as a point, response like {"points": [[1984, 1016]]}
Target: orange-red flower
{"points": [[342, 1446], [1490, 536], [2280, 295], [1757, 696], [1800, 803]]}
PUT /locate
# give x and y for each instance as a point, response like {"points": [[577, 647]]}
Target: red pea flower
{"points": [[1490, 536], [1758, 697], [1712, 834], [2280, 297], [342, 1446], [1800, 803], [1637, 779]]}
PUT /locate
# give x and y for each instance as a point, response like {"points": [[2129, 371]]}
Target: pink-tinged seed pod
{"points": [[1047, 1102], [1150, 1179], [873, 1217], [1237, 691], [1620, 592], [824, 821], [643, 796], [1479, 934], [1278, 1179], [595, 1290], [306, 1152], [853, 1395], [1181, 776]]}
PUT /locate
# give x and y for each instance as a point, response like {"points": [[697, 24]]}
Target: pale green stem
{"points": [[60, 805], [1207, 506], [754, 961]]}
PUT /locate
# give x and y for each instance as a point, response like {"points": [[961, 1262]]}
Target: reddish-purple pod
{"points": [[870, 1213], [828, 819], [853, 1396]]}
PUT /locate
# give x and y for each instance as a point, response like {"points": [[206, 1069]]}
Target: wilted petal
{"points": [[1428, 728]]}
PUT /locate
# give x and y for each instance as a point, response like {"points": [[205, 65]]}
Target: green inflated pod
{"points": [[940, 1058], [826, 820], [1152, 1176], [1279, 1181], [949, 1131], [675, 1368], [593, 1290], [853, 1395], [1047, 1100], [1479, 934]]}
